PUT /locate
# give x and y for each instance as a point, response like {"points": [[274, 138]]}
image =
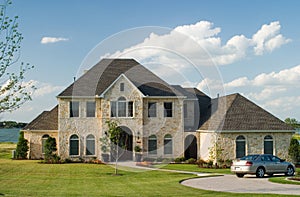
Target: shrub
{"points": [[179, 159], [22, 147], [191, 161], [50, 149], [201, 163], [294, 150]]}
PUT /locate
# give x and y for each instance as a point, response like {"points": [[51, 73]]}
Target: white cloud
{"points": [[43, 89], [47, 40], [200, 43]]}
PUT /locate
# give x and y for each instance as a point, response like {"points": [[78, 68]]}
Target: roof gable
{"points": [[96, 80], [235, 112]]}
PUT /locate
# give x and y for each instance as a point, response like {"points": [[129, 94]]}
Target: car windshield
{"points": [[249, 157]]}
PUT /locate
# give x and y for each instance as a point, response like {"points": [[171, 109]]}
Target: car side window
{"points": [[275, 159]]}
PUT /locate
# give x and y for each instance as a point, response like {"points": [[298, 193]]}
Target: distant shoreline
{"points": [[12, 125]]}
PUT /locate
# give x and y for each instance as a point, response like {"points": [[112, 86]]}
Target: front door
{"points": [[190, 145], [124, 146]]}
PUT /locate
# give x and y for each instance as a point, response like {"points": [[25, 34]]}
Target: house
{"points": [[166, 121]]}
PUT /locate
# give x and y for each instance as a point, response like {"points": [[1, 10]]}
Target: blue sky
{"points": [[264, 45]]}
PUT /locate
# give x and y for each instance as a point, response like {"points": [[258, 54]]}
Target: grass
{"points": [[283, 180], [30, 178], [194, 168], [6, 148]]}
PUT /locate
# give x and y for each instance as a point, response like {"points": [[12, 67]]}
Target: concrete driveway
{"points": [[248, 184]]}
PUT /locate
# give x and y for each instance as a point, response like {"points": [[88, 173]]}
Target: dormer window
{"points": [[122, 87], [121, 108]]}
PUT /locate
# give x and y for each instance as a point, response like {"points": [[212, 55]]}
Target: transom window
{"points": [[90, 108], [74, 109], [121, 108], [168, 109], [152, 109]]}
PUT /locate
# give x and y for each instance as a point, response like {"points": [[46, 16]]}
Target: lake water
{"points": [[9, 135]]}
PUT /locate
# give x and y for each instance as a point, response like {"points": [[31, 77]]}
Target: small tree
{"points": [[50, 151], [114, 135], [294, 150], [22, 147], [13, 91]]}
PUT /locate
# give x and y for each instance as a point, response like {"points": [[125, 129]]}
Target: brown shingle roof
{"points": [[235, 112], [47, 120], [96, 80]]}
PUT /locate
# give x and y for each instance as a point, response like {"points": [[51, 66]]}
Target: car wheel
{"points": [[240, 175], [260, 172], [290, 171]]}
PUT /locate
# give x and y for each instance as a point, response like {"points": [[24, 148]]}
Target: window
{"points": [[268, 145], [240, 143], [151, 109], [90, 145], [121, 108], [152, 145], [44, 138], [185, 110], [113, 109], [168, 109], [130, 109], [90, 109], [74, 145], [168, 145], [74, 109], [121, 87]]}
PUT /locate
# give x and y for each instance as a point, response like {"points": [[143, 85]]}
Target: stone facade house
{"points": [[166, 121]]}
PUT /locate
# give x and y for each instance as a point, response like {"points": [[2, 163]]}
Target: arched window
{"points": [[240, 148], [268, 144], [90, 145], [168, 145], [74, 145], [121, 108], [44, 138], [152, 145]]}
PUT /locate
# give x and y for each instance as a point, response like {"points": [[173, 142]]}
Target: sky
{"points": [[221, 47]]}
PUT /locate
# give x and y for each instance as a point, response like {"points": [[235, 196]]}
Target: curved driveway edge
{"points": [[248, 184]]}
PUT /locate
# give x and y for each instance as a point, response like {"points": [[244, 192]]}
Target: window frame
{"points": [[127, 108], [73, 113], [90, 139], [168, 144], [152, 138], [240, 140], [122, 87], [152, 111], [168, 112], [268, 140], [91, 114], [71, 141]]}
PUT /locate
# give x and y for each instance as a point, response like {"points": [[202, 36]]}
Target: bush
{"points": [[191, 161], [22, 147], [201, 163], [179, 159], [50, 151], [294, 150]]}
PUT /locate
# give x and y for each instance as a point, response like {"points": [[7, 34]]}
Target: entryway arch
{"points": [[125, 145], [190, 147]]}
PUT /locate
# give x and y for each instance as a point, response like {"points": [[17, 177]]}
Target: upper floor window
{"points": [[121, 108], [168, 109], [152, 109], [185, 110], [90, 109], [122, 87], [74, 109]]}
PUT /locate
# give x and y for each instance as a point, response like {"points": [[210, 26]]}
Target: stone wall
{"points": [[254, 143], [160, 126], [35, 142]]}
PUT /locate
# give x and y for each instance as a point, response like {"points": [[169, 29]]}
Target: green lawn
{"points": [[30, 178], [194, 168]]}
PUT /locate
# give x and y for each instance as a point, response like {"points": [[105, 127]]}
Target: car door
{"points": [[278, 164], [268, 164]]}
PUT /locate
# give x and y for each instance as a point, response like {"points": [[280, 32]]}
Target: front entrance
{"points": [[124, 146], [190, 147]]}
